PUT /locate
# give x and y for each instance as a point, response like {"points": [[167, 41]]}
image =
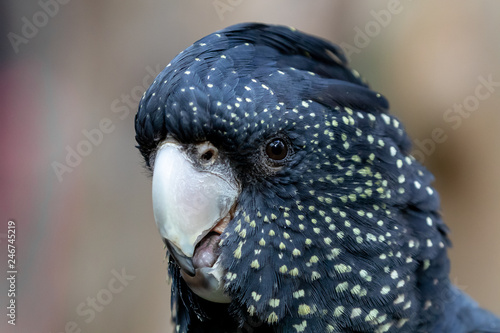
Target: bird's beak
{"points": [[188, 203]]}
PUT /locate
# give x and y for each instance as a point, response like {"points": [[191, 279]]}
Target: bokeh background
{"points": [[84, 66]]}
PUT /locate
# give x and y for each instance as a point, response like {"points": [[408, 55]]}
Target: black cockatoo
{"points": [[287, 196]]}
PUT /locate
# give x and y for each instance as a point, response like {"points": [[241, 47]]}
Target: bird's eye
{"points": [[277, 149]]}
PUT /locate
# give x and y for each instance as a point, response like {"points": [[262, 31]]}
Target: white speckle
{"points": [[355, 312], [399, 299], [210, 85], [187, 72], [386, 118], [429, 190], [417, 184], [401, 322], [339, 310], [429, 221], [364, 274], [393, 151]]}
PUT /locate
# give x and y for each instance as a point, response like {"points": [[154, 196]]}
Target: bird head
{"points": [[282, 186]]}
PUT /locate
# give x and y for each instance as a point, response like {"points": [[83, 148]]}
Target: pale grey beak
{"points": [[189, 199]]}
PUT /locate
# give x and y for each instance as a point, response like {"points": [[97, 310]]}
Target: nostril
{"points": [[207, 156], [207, 153]]}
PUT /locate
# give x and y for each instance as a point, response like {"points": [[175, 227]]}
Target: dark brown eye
{"points": [[277, 149]]}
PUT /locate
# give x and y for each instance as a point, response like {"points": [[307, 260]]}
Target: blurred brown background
{"points": [[79, 66]]}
